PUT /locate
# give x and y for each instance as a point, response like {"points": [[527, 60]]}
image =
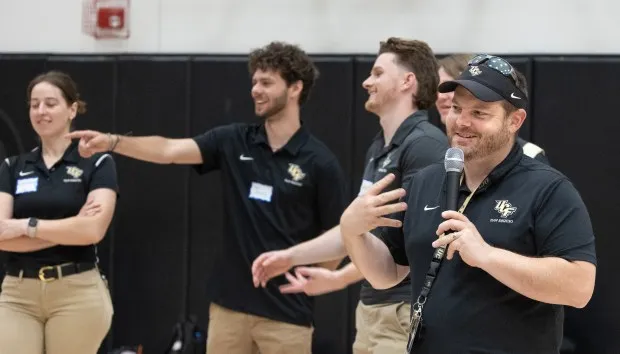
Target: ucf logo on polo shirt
{"points": [[504, 209], [385, 163], [74, 172], [297, 174]]}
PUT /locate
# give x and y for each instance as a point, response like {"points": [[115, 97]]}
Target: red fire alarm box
{"points": [[111, 18], [106, 18]]}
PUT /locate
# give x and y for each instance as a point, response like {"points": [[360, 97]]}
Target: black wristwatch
{"points": [[32, 227]]}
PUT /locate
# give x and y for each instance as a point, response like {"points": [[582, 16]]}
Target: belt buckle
{"points": [[42, 274]]}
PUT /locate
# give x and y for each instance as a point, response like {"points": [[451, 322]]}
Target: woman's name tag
{"points": [[27, 185]]}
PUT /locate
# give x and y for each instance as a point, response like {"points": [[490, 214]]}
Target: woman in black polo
{"points": [[53, 298]]}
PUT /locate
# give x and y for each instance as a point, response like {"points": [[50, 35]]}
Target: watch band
{"points": [[32, 227]]}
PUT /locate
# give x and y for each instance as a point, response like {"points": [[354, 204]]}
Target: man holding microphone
{"points": [[519, 248]]}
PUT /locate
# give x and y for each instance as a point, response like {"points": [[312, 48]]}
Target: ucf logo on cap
{"points": [[475, 71]]}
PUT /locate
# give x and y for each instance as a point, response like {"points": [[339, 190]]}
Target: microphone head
{"points": [[455, 160]]}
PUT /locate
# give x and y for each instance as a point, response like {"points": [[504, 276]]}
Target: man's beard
{"points": [[380, 100], [487, 144], [276, 107]]}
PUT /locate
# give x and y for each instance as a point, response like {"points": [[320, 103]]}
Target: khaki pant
{"points": [[232, 332], [70, 315], [381, 329]]}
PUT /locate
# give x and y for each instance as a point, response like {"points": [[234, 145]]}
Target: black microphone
{"points": [[454, 162]]}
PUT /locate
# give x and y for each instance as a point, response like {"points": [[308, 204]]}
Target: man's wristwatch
{"points": [[32, 227]]}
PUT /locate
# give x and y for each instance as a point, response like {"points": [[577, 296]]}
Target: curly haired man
{"points": [[281, 186]]}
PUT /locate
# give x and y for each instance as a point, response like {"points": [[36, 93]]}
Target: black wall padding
{"points": [[328, 115], [16, 72], [577, 123], [219, 94], [524, 65], [151, 251]]}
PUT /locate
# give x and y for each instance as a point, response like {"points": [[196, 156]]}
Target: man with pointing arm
{"points": [[285, 185]]}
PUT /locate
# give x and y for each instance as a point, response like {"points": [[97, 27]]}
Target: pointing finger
{"points": [[83, 145], [78, 134]]}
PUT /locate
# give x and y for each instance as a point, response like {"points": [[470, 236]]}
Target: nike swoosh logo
{"points": [[513, 96], [22, 174], [426, 208], [245, 158]]}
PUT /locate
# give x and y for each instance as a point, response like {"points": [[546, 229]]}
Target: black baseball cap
{"points": [[490, 79]]}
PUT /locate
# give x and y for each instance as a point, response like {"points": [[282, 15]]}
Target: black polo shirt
{"points": [[416, 144], [523, 206], [55, 193], [273, 200]]}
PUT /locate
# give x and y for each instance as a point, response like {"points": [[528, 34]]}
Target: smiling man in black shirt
{"points": [[452, 66], [522, 248], [281, 186]]}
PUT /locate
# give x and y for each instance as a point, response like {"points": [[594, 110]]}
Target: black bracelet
{"points": [[113, 145], [118, 138]]}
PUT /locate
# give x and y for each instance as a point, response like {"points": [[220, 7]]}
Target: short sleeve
{"points": [[5, 177], [331, 193], [395, 242], [210, 144], [422, 152], [562, 225], [394, 237], [104, 174]]}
